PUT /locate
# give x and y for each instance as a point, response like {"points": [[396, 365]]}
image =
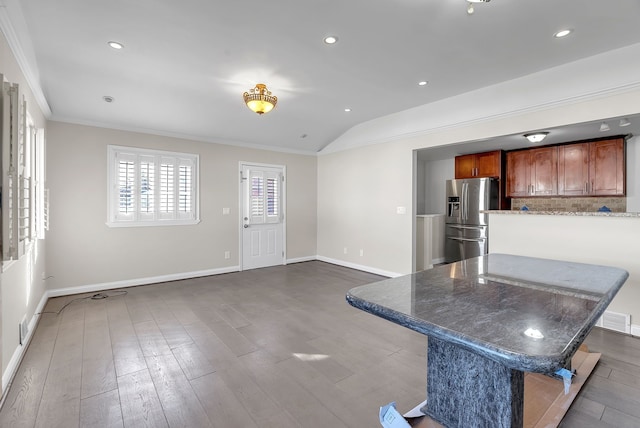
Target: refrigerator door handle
{"points": [[464, 201], [467, 239], [467, 227]]}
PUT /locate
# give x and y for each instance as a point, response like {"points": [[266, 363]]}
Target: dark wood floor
{"points": [[274, 347]]}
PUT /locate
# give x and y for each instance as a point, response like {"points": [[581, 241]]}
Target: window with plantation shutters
{"points": [[264, 198], [151, 187]]}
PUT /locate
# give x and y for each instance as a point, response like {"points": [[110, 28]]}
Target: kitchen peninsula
{"points": [[489, 319]]}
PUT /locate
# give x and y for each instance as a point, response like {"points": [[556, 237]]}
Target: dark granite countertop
{"points": [[498, 306]]}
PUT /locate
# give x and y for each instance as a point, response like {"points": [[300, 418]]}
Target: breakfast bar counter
{"points": [[488, 320]]}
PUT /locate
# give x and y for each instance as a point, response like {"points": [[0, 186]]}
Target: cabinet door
{"points": [[544, 171], [465, 166], [607, 167], [518, 174], [573, 169], [489, 164]]}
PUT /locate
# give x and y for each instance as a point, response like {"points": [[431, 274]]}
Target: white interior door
{"points": [[262, 216]]}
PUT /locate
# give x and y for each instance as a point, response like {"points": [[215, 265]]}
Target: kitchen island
{"points": [[489, 320]]}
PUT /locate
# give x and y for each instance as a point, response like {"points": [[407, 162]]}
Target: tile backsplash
{"points": [[592, 204]]}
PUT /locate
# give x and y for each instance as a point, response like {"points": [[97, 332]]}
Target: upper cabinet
{"points": [[573, 169], [532, 172], [607, 167], [478, 165], [582, 169]]}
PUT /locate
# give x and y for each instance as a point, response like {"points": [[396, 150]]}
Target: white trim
{"points": [[301, 259], [20, 45], [16, 358], [182, 136], [152, 223], [139, 281], [359, 267], [635, 330]]}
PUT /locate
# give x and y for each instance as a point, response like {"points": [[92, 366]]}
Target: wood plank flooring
{"points": [[274, 347]]}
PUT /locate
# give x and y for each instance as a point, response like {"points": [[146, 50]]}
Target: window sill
{"points": [[152, 223]]}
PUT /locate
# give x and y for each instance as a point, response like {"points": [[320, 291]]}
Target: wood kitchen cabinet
{"points": [[532, 172], [478, 165], [607, 167], [573, 169], [592, 169]]}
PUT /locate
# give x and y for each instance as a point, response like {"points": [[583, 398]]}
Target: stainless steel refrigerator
{"points": [[466, 232]]}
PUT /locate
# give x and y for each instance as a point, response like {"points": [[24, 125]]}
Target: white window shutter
{"points": [[151, 187]]}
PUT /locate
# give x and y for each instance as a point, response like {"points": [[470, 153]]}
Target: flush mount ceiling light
{"points": [[470, 3], [259, 99], [536, 137], [115, 45], [347, 109], [562, 33], [624, 122], [330, 40], [108, 99], [423, 83], [604, 127]]}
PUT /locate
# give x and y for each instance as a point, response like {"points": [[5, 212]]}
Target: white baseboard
{"points": [[139, 281], [16, 358], [301, 259], [635, 330], [359, 267]]}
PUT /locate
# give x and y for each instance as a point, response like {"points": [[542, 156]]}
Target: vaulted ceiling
{"points": [[185, 65]]}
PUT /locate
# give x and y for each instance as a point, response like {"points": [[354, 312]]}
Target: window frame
{"points": [[155, 217]]}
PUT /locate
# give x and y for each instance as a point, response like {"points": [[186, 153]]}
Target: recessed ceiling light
{"points": [[330, 40], [108, 99], [562, 33], [423, 83], [624, 122], [115, 45], [604, 127], [347, 109]]}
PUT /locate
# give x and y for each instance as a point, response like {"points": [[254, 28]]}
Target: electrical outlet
{"points": [[227, 254], [345, 250], [361, 252], [225, 211]]}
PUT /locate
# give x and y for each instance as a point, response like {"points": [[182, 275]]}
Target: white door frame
{"points": [[241, 165]]}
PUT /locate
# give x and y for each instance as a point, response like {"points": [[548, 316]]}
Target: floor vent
{"points": [[616, 321], [24, 330]]}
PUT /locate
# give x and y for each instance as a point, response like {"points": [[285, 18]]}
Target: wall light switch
{"points": [[227, 254], [225, 211], [401, 210]]}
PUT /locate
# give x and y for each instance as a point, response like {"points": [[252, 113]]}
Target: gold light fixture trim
{"points": [[260, 99]]}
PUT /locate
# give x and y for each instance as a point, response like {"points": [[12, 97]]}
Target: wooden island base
{"points": [[545, 402]]}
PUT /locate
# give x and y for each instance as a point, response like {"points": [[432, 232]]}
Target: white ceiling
{"points": [[186, 63]]}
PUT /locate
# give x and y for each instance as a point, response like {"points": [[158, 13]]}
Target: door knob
{"points": [[246, 225]]}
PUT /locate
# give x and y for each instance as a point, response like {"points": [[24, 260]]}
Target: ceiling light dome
{"points": [[536, 137], [259, 99]]}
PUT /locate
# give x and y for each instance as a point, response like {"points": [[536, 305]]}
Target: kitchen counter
{"points": [[489, 319], [564, 213]]}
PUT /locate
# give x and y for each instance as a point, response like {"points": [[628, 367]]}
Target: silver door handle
{"points": [[246, 225], [467, 239], [468, 227]]}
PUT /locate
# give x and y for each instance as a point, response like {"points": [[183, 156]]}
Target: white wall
{"points": [[436, 175], [21, 285], [609, 241], [85, 252], [350, 208]]}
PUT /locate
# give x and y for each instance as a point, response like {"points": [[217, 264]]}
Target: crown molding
{"points": [[20, 44]]}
